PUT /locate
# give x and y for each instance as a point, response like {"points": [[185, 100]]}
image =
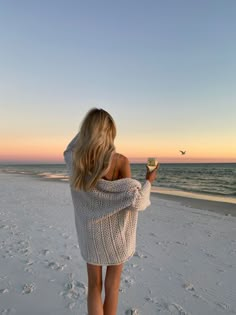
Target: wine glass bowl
{"points": [[152, 163]]}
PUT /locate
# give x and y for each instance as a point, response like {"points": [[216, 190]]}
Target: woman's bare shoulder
{"points": [[122, 158], [124, 166]]}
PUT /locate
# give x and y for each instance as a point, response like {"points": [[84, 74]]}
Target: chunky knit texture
{"points": [[106, 217]]}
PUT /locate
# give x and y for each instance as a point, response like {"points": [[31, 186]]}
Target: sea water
{"points": [[211, 178]]}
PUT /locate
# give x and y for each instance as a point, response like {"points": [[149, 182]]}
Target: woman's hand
{"points": [[151, 176]]}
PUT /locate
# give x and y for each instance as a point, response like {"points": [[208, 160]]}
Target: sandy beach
{"points": [[185, 262]]}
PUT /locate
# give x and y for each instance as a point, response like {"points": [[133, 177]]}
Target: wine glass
{"points": [[151, 163]]}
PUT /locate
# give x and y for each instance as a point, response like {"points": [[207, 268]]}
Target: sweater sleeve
{"points": [[68, 153], [142, 197]]}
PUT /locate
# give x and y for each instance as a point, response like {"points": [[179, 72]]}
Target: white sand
{"points": [[185, 261]]}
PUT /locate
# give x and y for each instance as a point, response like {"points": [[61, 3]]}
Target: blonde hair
{"points": [[93, 149]]}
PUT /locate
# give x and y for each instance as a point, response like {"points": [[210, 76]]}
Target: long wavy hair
{"points": [[93, 150]]}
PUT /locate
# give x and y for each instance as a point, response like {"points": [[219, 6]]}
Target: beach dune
{"points": [[185, 260]]}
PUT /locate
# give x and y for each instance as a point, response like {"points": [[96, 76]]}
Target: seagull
{"points": [[182, 152]]}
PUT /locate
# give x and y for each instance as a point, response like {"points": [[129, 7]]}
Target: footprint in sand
{"points": [[225, 307], [129, 282], [188, 287], [139, 255], [181, 243], [56, 266], [153, 300], [66, 236], [177, 309], [134, 265], [45, 252], [28, 269], [73, 290], [3, 291], [29, 262], [209, 255], [28, 288], [76, 246], [66, 257]]}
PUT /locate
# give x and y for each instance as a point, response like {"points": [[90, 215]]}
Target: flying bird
{"points": [[182, 152]]}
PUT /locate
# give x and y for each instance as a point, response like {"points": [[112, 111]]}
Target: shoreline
{"points": [[210, 184], [193, 195], [220, 207], [218, 204]]}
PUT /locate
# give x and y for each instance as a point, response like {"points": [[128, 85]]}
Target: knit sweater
{"points": [[106, 216]]}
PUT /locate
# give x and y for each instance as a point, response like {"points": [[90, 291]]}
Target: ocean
{"points": [[205, 178]]}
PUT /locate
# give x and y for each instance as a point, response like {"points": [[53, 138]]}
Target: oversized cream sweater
{"points": [[106, 217]]}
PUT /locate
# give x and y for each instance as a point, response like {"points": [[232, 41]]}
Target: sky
{"points": [[165, 71]]}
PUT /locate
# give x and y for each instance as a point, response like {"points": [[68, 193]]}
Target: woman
{"points": [[106, 202]]}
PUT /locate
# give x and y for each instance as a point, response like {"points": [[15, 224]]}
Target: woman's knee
{"points": [[95, 284], [111, 286]]}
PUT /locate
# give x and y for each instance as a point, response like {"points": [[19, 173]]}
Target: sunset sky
{"points": [[165, 70]]}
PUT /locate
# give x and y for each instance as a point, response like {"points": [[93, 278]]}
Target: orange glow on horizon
{"points": [[50, 150]]}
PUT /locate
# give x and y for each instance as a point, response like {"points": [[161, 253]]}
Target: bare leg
{"points": [[112, 285], [94, 300]]}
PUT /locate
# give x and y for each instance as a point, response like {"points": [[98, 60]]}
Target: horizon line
{"points": [[3, 163]]}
